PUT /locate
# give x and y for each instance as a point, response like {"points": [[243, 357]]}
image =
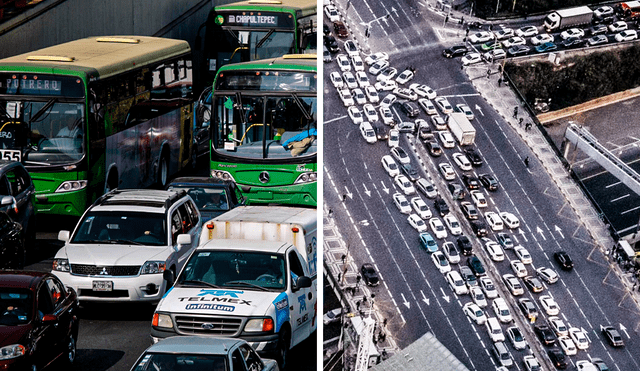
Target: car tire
{"points": [[283, 349]]}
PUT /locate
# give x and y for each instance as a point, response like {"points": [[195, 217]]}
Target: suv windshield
{"points": [[235, 269], [122, 227]]}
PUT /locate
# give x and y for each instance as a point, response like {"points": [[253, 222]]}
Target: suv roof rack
{"points": [[138, 197]]}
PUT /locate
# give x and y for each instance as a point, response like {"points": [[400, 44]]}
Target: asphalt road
{"points": [[413, 294]]}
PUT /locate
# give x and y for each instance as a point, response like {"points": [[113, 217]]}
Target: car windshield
{"points": [[176, 361], [206, 198], [211, 268], [123, 227], [15, 306]]}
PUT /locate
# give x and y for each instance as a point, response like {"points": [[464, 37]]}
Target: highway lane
{"points": [[534, 198]]}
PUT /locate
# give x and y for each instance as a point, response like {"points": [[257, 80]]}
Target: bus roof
{"points": [[98, 57], [289, 61], [303, 7]]}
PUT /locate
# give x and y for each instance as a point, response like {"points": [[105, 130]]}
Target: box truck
{"points": [[566, 18], [461, 128]]}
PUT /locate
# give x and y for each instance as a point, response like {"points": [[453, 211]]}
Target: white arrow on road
{"points": [[364, 222], [523, 236], [394, 10], [539, 230], [479, 109], [559, 231], [368, 192], [404, 301], [624, 329], [424, 298], [444, 296], [349, 194], [384, 187]]}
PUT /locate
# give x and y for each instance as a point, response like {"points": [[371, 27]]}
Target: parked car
{"points": [[213, 197], [125, 241], [202, 353], [39, 322], [369, 274]]}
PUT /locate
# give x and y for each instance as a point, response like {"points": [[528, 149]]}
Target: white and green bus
{"points": [[95, 114]]}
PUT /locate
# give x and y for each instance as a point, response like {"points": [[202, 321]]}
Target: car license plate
{"points": [[10, 154], [102, 285]]}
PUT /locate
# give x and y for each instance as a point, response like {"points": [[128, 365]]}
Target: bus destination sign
{"points": [[43, 85], [255, 19]]}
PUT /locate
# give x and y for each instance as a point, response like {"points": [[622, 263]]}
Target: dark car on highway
{"points": [[382, 133], [331, 44], [613, 336], [563, 258], [546, 47], [410, 171], [38, 322], [470, 181], [489, 181], [455, 51], [479, 228], [558, 358], [369, 274], [340, 29], [473, 156], [213, 197], [464, 245], [433, 147], [573, 42], [476, 265], [441, 205], [410, 109], [545, 334]]}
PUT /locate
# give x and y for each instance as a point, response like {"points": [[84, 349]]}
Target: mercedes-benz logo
{"points": [[207, 326], [104, 271], [263, 177]]}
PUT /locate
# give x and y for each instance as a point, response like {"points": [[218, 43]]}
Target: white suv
{"points": [[125, 241]]}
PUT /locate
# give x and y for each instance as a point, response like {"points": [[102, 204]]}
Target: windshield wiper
{"points": [[200, 283], [246, 284], [264, 38], [42, 110], [296, 99], [125, 242]]}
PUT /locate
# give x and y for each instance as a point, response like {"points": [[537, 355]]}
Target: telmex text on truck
{"points": [[461, 128], [565, 18], [252, 277]]}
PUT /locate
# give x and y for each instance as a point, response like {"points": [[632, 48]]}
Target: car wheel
{"points": [[283, 349]]}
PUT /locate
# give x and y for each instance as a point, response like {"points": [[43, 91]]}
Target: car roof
{"points": [[201, 181], [148, 200], [276, 247], [21, 279], [195, 345]]}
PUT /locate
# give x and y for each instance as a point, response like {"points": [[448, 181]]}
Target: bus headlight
{"points": [[152, 267], [307, 178], [219, 174], [61, 265], [71, 185]]}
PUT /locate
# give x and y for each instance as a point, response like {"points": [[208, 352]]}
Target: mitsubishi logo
{"points": [[263, 177], [104, 271], [207, 326]]}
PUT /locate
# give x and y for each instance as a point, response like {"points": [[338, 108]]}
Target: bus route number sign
{"points": [[10, 154]]}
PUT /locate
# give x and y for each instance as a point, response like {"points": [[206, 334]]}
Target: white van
{"points": [[494, 329]]}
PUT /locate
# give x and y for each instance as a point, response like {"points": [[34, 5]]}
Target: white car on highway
{"points": [[404, 77], [390, 166], [494, 221], [373, 58], [462, 161], [478, 199], [399, 154], [378, 66], [355, 115], [394, 138], [549, 305], [558, 326], [358, 64], [387, 85], [444, 105], [387, 74], [523, 254], [541, 39], [572, 32], [428, 106], [453, 224], [421, 208], [417, 223], [494, 250], [480, 37], [388, 100], [501, 310], [447, 171], [370, 112], [367, 132], [346, 97], [359, 96], [332, 13], [372, 94], [440, 262], [336, 79], [350, 80], [447, 139], [547, 274], [363, 80], [567, 345], [401, 203], [626, 35], [487, 286], [343, 62], [387, 115], [456, 283], [405, 185], [471, 58], [475, 313], [510, 220], [451, 252], [579, 338], [438, 228], [423, 90], [518, 268], [478, 296]]}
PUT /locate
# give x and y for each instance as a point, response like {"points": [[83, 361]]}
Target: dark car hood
{"points": [[13, 334]]}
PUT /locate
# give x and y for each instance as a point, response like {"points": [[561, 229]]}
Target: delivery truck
{"points": [[461, 128], [565, 18], [253, 276]]}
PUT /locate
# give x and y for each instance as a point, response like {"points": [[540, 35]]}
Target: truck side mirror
{"points": [[303, 281], [63, 236], [183, 240]]}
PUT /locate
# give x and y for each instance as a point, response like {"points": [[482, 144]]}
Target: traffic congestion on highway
{"points": [[462, 232]]}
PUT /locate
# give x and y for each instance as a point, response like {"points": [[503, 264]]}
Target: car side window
{"points": [[251, 358], [238, 361], [193, 212], [187, 219], [57, 292], [5, 190], [176, 225], [45, 305], [295, 266]]}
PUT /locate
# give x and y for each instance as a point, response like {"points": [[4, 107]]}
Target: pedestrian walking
{"points": [[344, 257], [344, 197], [488, 72], [500, 81], [527, 127], [330, 213], [515, 112], [520, 121], [358, 305], [526, 161]]}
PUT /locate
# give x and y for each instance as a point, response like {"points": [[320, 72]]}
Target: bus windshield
{"points": [[265, 126], [54, 130], [242, 45]]}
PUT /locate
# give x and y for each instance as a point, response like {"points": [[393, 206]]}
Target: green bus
{"points": [[95, 114], [264, 129], [256, 29]]}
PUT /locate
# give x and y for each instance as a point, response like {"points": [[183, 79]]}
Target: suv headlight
{"points": [[12, 351], [162, 320], [219, 174], [72, 185], [259, 325], [61, 265], [152, 267], [306, 178]]}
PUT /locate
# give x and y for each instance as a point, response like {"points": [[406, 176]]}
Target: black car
{"points": [[599, 363], [369, 274], [563, 258], [455, 51], [441, 205], [433, 147], [558, 358], [17, 200], [381, 131], [340, 29], [573, 42], [470, 181], [457, 192], [468, 276], [479, 228], [474, 157], [476, 265], [545, 334], [410, 171], [38, 319], [528, 309], [331, 44], [505, 240], [469, 210], [464, 245], [212, 196], [410, 109], [613, 336], [489, 181], [326, 30], [12, 246], [533, 284]]}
